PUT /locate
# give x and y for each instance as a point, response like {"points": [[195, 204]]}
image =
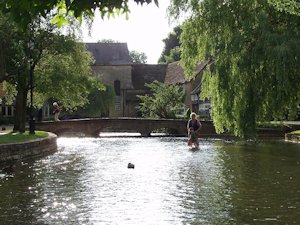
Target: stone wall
{"points": [[13, 153], [108, 75]]}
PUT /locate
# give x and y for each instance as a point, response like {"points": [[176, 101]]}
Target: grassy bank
{"points": [[296, 132], [272, 124], [11, 137]]}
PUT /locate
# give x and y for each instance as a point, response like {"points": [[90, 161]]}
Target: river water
{"points": [[87, 182]]}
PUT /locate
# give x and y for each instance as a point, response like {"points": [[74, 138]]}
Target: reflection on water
{"points": [[87, 182]]}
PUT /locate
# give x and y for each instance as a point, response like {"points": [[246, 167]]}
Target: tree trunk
{"points": [[20, 115]]}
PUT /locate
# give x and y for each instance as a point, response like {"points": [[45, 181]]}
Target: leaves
{"points": [[24, 12], [138, 57], [164, 103], [256, 52], [171, 51]]}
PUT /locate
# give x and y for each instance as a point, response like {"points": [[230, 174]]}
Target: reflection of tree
{"points": [[261, 181], [241, 183]]}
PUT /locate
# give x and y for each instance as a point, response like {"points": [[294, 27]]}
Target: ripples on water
{"points": [[87, 182]]}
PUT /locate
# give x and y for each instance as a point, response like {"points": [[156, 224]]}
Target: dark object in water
{"points": [[130, 166]]}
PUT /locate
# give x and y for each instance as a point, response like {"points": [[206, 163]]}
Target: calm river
{"points": [[87, 182]]}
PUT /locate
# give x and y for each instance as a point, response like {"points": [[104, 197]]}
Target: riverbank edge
{"points": [[292, 137], [13, 153]]}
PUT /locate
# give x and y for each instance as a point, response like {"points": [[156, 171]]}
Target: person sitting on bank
{"points": [[56, 111], [193, 128]]}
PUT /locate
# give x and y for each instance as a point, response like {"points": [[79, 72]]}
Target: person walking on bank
{"points": [[56, 111], [193, 129]]}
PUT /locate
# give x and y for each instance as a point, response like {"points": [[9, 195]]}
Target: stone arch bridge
{"points": [[91, 127]]}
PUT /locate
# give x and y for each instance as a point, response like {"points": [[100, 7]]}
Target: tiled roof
{"points": [[175, 73], [145, 73], [109, 53]]}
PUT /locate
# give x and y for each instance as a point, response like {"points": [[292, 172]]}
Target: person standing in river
{"points": [[193, 129]]}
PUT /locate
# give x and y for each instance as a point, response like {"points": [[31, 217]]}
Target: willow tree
{"points": [[256, 52], [289, 6]]}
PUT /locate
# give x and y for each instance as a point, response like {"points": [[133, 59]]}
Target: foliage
{"points": [[26, 11], [99, 103], [164, 103], [15, 137], [60, 66], [138, 57], [171, 51], [65, 76], [296, 132], [175, 55], [289, 6], [256, 50], [107, 41], [12, 49]]}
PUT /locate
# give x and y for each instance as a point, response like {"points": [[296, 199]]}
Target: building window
{"points": [[7, 111], [117, 87], [3, 111]]}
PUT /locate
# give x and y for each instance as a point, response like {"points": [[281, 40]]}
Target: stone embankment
{"points": [[17, 152]]}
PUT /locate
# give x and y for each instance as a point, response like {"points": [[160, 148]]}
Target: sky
{"points": [[144, 31]]}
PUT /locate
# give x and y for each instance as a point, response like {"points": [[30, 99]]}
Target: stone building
{"points": [[113, 66], [192, 87]]}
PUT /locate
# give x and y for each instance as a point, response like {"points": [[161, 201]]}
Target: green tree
{"points": [[175, 55], [23, 13], [138, 57], [171, 51], [164, 102], [99, 103], [256, 50], [289, 6], [65, 76], [60, 65]]}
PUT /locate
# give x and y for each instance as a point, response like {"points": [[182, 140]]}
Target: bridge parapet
{"points": [[93, 126]]}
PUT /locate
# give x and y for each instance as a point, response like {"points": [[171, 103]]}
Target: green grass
{"points": [[271, 124], [11, 137], [296, 132]]}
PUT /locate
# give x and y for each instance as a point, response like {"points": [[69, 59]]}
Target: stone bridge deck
{"points": [[91, 127]]}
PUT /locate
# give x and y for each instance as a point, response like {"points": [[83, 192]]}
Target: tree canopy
{"points": [[289, 6], [24, 12], [99, 103], [171, 51], [138, 57], [256, 52], [60, 65], [165, 101]]}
